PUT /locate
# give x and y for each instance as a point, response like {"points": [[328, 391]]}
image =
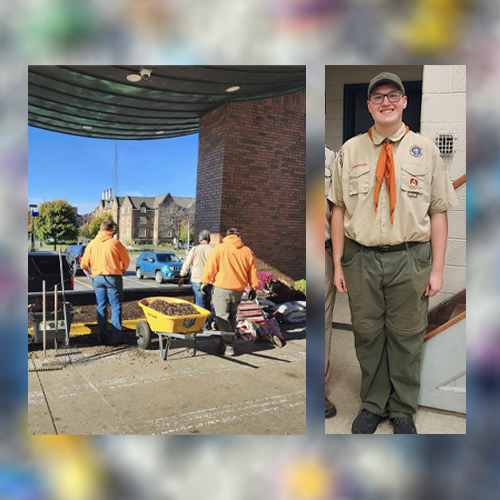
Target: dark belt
{"points": [[395, 248]]}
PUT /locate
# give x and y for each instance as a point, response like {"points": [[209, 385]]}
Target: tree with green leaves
{"points": [[83, 233], [184, 232], [56, 221], [95, 225]]}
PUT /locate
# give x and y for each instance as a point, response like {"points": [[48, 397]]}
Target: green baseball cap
{"points": [[385, 78]]}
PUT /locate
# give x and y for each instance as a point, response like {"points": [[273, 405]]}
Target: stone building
{"points": [[148, 220]]}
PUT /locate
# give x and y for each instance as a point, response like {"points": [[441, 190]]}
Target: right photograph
{"points": [[395, 249]]}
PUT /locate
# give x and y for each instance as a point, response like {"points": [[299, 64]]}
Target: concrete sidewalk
{"points": [[127, 390], [345, 381]]}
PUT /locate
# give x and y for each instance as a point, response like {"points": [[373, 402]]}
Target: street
{"points": [[130, 281]]}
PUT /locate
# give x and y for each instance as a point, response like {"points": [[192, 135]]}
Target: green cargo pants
{"points": [[389, 318], [226, 304]]}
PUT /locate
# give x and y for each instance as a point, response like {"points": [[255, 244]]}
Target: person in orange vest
{"points": [[108, 260], [390, 193], [230, 268]]}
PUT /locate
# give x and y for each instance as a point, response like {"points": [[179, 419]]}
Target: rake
{"points": [[47, 364], [67, 350]]}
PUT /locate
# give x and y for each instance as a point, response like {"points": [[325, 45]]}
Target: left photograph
{"points": [[167, 250]]}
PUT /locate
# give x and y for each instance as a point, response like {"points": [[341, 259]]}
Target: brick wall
{"points": [[252, 175]]}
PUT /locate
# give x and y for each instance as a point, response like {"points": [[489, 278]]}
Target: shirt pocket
{"points": [[414, 179], [359, 180]]}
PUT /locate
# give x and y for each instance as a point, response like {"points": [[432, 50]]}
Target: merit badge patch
{"points": [[412, 194], [415, 151], [413, 183]]}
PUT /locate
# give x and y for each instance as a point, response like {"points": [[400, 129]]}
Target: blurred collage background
{"points": [[311, 32]]}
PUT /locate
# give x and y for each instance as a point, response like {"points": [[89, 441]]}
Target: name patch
{"points": [[412, 194]]}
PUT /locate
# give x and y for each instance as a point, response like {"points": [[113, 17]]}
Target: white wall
{"points": [[444, 112]]}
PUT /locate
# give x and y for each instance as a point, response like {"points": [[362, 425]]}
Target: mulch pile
{"points": [[88, 314], [37, 305], [173, 308]]}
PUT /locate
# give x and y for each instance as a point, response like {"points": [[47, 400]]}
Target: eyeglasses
{"points": [[393, 97]]}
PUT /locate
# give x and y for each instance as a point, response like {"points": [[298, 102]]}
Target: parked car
{"points": [[46, 266], [74, 254], [164, 267]]}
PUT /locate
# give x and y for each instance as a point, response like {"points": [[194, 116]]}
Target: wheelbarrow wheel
{"points": [[279, 343], [143, 334]]}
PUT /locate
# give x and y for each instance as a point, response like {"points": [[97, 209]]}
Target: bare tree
{"points": [[174, 217]]}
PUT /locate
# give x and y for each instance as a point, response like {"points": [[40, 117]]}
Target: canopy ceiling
{"points": [[168, 104]]}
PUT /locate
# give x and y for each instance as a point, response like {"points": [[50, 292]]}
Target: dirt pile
{"points": [[37, 305], [173, 308]]}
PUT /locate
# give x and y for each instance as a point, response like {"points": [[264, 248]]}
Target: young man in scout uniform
{"points": [[330, 409], [391, 192]]}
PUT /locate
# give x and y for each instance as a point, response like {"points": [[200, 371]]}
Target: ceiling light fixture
{"points": [[133, 77], [233, 89], [87, 127], [159, 132]]}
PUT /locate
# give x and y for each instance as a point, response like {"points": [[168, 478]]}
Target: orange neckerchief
{"points": [[385, 168]]}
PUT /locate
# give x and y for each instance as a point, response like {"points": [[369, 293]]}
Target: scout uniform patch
{"points": [[415, 151]]}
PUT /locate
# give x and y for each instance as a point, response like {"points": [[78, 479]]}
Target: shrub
{"points": [[280, 289], [300, 285]]}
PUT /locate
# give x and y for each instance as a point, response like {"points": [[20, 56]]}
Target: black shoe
{"points": [[116, 340], [366, 422], [102, 339], [330, 410], [225, 349], [221, 348], [403, 425]]}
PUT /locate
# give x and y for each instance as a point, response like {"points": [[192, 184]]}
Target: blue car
{"points": [[163, 267]]}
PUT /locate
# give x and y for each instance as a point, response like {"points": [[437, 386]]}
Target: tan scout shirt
{"points": [[423, 188], [329, 159]]}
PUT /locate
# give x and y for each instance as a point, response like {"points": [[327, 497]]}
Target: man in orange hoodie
{"points": [[108, 260], [230, 268]]}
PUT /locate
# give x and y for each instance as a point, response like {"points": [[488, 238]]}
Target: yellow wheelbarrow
{"points": [[173, 327]]}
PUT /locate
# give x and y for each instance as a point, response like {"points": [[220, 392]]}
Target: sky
{"points": [[78, 169]]}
